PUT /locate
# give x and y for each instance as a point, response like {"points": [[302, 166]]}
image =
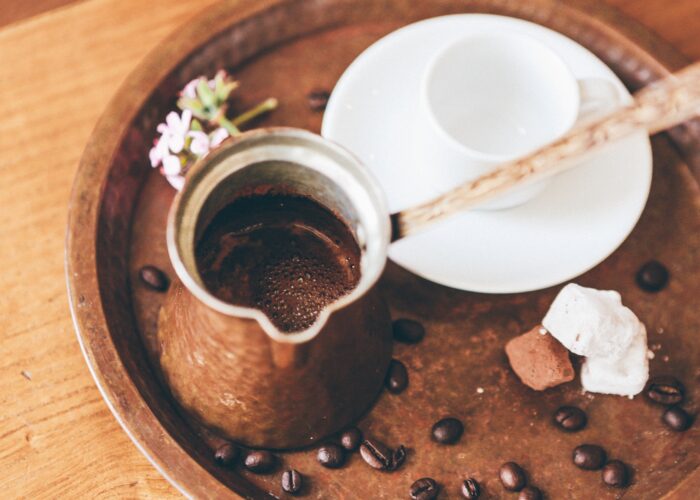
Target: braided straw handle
{"points": [[656, 107]]}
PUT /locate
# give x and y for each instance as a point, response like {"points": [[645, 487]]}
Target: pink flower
{"points": [[202, 143], [172, 165], [171, 141], [190, 90], [158, 151], [176, 181], [218, 136], [175, 129], [177, 147]]}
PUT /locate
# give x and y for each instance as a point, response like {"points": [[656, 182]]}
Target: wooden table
{"points": [[62, 61]]}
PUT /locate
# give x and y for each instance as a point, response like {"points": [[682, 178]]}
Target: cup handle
{"points": [[598, 96]]}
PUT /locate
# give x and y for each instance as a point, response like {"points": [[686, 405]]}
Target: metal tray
{"points": [[286, 48]]}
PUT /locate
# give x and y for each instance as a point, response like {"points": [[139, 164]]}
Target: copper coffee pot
{"points": [[228, 365]]}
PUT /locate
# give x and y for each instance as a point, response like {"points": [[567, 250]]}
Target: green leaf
{"points": [[224, 92], [193, 105], [205, 94], [219, 82]]}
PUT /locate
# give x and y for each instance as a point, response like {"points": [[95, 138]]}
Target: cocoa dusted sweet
{"points": [[539, 360]]}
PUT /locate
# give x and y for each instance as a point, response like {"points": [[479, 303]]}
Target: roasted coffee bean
{"points": [[470, 489], [398, 457], [589, 457], [397, 377], [530, 493], [665, 390], [677, 419], [570, 418], [615, 474], [331, 456], [408, 331], [260, 461], [376, 454], [512, 476], [351, 438], [447, 431], [291, 481], [318, 100], [652, 276], [424, 489], [226, 454], [154, 278]]}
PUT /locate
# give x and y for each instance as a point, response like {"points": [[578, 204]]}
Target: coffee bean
{"points": [[677, 419], [154, 278], [260, 461], [291, 481], [318, 99], [424, 489], [589, 457], [447, 431], [570, 418], [470, 489], [408, 331], [530, 493], [397, 377], [351, 438], [226, 454], [398, 457], [652, 276], [376, 454], [331, 456], [615, 474], [380, 456], [665, 390], [512, 476]]}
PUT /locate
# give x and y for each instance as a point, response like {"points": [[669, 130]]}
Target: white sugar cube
{"points": [[591, 323], [625, 376]]}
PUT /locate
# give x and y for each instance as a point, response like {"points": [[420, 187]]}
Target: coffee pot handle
{"points": [[598, 97], [656, 107]]}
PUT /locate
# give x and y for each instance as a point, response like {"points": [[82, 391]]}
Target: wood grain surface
{"points": [[12, 11], [57, 437]]}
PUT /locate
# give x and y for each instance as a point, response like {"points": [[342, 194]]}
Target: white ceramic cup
{"points": [[490, 98]]}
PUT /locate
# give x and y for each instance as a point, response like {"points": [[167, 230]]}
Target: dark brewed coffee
{"points": [[285, 255]]}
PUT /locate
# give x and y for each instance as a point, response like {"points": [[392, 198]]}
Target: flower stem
{"points": [[263, 107], [224, 122]]}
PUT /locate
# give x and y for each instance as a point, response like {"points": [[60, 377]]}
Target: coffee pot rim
{"points": [[331, 160]]}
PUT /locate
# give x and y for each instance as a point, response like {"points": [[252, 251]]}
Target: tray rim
{"points": [[102, 357]]}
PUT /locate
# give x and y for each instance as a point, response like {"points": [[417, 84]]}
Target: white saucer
{"points": [[581, 217]]}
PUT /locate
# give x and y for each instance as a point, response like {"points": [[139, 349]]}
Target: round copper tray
{"points": [[286, 49]]}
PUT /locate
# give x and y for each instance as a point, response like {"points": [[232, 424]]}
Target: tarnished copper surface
{"points": [[287, 49], [230, 374]]}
